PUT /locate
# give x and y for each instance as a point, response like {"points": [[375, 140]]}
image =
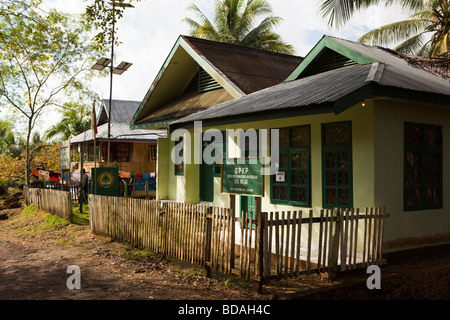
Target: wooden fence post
{"points": [[233, 231], [335, 246], [259, 267], [208, 239]]}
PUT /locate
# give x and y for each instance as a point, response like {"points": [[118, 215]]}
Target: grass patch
{"points": [[30, 210], [34, 222], [82, 218], [136, 254], [54, 222]]}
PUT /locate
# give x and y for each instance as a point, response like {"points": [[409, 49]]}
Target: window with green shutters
{"points": [[337, 168], [218, 166], [423, 167], [292, 183]]}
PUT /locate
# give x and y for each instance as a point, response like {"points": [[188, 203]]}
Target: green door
{"points": [[248, 204], [207, 180]]}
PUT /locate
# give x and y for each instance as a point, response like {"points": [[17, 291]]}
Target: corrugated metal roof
{"points": [[120, 132], [327, 87], [250, 69], [122, 110]]}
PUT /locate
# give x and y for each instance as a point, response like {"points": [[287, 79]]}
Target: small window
{"points": [[291, 184], [423, 167], [153, 151]]}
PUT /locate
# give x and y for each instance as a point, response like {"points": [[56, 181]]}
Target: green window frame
{"points": [[295, 167], [179, 168], [218, 166], [337, 165], [423, 167]]}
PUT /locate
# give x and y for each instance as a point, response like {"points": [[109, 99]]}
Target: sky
{"points": [[149, 31]]}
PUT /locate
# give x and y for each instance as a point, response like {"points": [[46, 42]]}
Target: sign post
{"points": [[106, 181], [242, 177], [64, 161]]}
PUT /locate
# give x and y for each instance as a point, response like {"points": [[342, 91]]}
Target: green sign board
{"points": [[105, 181], [242, 178]]}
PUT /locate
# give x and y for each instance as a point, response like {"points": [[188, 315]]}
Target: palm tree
{"points": [[424, 33], [75, 120], [234, 22]]}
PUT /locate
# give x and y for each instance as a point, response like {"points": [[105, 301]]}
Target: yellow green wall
{"points": [[410, 228], [363, 157], [378, 166]]}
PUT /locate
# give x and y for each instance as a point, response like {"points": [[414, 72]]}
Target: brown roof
{"points": [[250, 69], [241, 71]]}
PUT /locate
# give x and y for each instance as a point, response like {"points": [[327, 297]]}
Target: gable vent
{"points": [[328, 60], [203, 82]]}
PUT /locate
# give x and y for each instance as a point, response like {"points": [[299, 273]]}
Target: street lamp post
{"points": [[121, 68]]}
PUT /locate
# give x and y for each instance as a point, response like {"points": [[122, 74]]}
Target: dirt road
{"points": [[34, 267], [34, 260], [30, 271]]}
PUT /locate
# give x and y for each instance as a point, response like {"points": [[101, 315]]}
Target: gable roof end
{"points": [[238, 70]]}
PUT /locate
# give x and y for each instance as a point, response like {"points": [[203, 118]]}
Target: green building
{"points": [[359, 126]]}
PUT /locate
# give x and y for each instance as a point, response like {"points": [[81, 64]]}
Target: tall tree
{"points": [[76, 118], [424, 33], [42, 56], [236, 21]]}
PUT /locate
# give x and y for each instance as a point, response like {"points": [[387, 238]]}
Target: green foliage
{"points": [[235, 21], [29, 210], [76, 119], [43, 56], [54, 222], [424, 33], [135, 254]]}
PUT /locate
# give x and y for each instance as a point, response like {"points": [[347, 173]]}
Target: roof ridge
{"points": [[238, 46], [375, 72]]}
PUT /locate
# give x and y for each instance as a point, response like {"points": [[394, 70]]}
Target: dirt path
{"points": [[35, 267], [29, 272]]}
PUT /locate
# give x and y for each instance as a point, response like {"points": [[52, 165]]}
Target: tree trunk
{"points": [[27, 153]]}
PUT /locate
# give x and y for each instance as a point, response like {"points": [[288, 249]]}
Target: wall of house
{"points": [[408, 228], [363, 155], [186, 188], [139, 160], [169, 185]]}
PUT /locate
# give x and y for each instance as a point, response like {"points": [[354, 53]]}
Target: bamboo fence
{"points": [[58, 203], [260, 247]]}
